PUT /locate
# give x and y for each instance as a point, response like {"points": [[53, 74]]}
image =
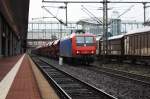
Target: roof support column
{"points": [[10, 43]]}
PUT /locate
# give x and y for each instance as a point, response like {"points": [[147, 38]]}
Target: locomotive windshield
{"points": [[88, 39], [80, 40]]}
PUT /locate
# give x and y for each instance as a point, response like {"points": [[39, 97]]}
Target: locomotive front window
{"points": [[89, 40], [80, 40]]}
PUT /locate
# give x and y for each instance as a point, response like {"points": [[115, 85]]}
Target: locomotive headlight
{"points": [[92, 52], [78, 52]]}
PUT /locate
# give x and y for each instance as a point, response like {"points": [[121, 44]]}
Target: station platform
{"points": [[21, 79]]}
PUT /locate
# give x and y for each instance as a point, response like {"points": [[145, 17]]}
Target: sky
{"points": [[75, 13]]}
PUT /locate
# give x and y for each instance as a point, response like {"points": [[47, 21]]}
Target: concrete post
{"points": [[6, 40], [6, 46], [10, 44], [14, 44], [60, 61], [18, 46]]}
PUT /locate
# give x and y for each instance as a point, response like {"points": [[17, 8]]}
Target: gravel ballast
{"points": [[123, 89]]}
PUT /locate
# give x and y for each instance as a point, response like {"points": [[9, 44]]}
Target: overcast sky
{"points": [[75, 13]]}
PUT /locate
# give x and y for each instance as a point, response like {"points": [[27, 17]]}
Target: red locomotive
{"points": [[79, 48]]}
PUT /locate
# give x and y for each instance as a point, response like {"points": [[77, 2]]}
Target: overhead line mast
{"points": [[66, 2], [47, 1], [105, 14]]}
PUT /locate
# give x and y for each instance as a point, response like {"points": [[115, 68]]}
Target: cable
{"points": [[126, 11], [91, 15], [61, 22]]}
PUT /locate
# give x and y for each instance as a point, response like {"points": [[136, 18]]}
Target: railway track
{"points": [[67, 86], [121, 74]]}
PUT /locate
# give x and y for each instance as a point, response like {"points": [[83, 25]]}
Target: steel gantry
{"points": [[103, 2], [105, 13], [48, 1]]}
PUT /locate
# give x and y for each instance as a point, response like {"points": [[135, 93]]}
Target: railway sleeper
{"points": [[70, 85], [57, 76], [83, 94], [77, 90], [64, 81], [51, 70], [45, 67], [84, 97], [70, 88]]}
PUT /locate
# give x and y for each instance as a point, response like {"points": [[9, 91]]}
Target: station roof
{"points": [[93, 21], [140, 30], [99, 37], [88, 21], [15, 12], [115, 37]]}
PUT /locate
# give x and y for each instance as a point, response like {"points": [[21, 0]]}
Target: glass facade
{"points": [[47, 30], [40, 33], [37, 31]]}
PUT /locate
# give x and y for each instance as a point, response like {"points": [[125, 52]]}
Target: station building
{"points": [[13, 26]]}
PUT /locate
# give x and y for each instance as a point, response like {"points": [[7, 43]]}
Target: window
{"points": [[84, 40], [88, 39], [80, 40]]}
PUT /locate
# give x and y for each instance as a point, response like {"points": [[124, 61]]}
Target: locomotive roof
{"points": [[49, 43], [141, 30], [98, 38], [38, 47], [116, 37], [74, 34], [84, 34], [56, 42]]}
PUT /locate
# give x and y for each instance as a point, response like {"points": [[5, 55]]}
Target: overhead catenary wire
{"points": [[91, 15], [126, 11], [59, 20], [41, 18]]}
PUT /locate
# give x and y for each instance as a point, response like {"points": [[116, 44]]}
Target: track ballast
{"points": [[69, 87]]}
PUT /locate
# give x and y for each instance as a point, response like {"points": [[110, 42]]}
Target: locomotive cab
{"points": [[80, 47], [85, 45]]}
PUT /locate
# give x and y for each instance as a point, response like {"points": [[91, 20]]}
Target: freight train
{"points": [[133, 46], [78, 47]]}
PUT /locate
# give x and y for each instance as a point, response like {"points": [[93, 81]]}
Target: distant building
{"points": [[115, 27], [91, 26]]}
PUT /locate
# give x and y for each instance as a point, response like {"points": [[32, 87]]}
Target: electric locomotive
{"points": [[78, 48]]}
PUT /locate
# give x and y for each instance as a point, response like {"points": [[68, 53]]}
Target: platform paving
{"points": [[6, 64], [17, 79], [46, 90], [24, 85], [21, 79]]}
